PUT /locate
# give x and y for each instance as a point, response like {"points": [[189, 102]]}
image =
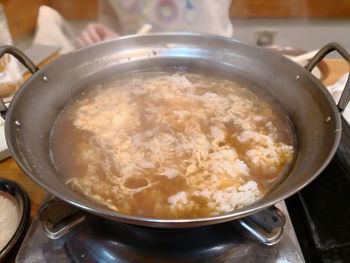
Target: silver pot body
{"points": [[35, 107]]}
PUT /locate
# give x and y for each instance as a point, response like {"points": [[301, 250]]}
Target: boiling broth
{"points": [[176, 145]]}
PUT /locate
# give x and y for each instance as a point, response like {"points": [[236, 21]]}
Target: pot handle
{"points": [[345, 96], [6, 49], [59, 218], [265, 226]]}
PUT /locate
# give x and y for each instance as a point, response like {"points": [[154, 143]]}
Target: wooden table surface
{"points": [[9, 169]]}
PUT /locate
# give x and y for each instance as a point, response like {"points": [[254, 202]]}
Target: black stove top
{"points": [[320, 213]]}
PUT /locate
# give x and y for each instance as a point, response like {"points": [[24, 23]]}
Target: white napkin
{"points": [[336, 91], [53, 30], [4, 152]]}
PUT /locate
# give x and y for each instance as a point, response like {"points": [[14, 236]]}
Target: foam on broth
{"points": [[172, 145]]}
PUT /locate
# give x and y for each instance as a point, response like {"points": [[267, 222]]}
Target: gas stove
{"points": [[88, 238]]}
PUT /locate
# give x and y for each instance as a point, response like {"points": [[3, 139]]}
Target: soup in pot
{"points": [[172, 145]]}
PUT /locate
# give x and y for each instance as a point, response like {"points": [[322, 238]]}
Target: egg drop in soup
{"points": [[172, 145]]}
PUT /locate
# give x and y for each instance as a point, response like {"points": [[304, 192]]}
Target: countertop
{"points": [[10, 170]]}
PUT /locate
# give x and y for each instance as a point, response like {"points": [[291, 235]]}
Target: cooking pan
{"points": [[35, 107]]}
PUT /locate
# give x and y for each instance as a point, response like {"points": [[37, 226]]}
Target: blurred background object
{"points": [[10, 76], [306, 24], [314, 9], [22, 15]]}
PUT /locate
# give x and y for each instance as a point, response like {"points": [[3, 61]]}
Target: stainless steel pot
{"points": [[33, 110]]}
